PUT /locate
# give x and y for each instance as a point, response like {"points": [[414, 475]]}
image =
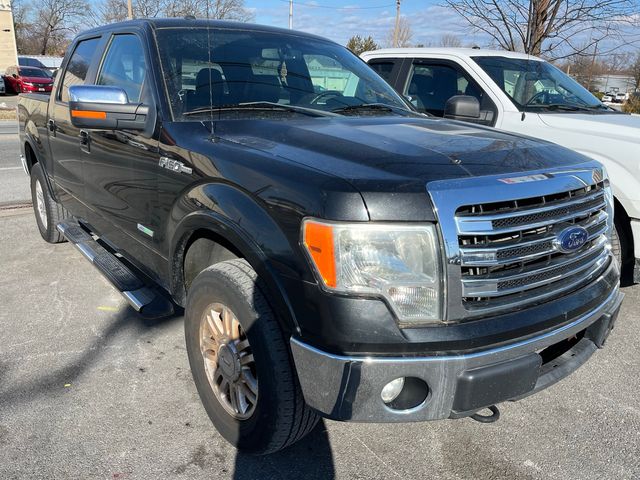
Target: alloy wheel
{"points": [[228, 361], [40, 205]]}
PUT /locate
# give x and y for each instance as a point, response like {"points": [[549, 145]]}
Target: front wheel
{"points": [[241, 363]]}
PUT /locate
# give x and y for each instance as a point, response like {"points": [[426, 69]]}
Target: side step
{"points": [[142, 298]]}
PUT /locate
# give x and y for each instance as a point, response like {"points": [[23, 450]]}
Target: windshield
{"points": [[534, 85], [34, 72], [263, 73]]}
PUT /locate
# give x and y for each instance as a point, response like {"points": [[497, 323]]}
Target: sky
{"points": [[339, 20]]}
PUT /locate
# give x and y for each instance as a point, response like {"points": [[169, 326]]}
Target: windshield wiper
{"points": [[373, 107], [562, 106], [273, 106]]}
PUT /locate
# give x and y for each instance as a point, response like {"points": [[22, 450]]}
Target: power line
{"points": [[313, 5]]}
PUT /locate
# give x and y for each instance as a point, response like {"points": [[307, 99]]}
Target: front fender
{"points": [[625, 180], [236, 217]]}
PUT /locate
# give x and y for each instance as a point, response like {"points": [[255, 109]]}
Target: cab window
{"points": [[383, 69], [78, 66], [124, 66], [431, 85]]}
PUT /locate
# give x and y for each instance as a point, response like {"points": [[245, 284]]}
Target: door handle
{"points": [[51, 125], [85, 141]]}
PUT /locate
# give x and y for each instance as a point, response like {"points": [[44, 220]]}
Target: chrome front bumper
{"points": [[348, 388]]}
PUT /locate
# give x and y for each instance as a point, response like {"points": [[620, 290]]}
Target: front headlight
{"points": [[28, 84], [400, 263]]}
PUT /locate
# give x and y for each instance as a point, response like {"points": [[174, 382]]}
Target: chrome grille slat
{"points": [[508, 250], [486, 224], [504, 283], [526, 250], [542, 293], [544, 203]]}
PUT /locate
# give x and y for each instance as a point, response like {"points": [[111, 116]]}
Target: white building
{"points": [[8, 51]]}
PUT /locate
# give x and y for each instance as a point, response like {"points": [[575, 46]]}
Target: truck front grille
{"points": [[509, 253]]}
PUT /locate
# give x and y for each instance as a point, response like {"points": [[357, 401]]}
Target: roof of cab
{"points": [[457, 52], [157, 23]]}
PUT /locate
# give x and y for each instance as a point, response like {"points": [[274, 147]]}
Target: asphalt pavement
{"points": [[14, 184], [88, 389]]}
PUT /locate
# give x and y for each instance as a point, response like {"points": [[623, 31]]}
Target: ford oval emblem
{"points": [[571, 239]]}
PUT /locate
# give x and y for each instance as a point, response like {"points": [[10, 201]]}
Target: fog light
{"points": [[392, 389]]}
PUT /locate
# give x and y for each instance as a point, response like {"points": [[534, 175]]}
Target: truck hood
{"points": [[393, 158], [396, 151], [611, 126]]}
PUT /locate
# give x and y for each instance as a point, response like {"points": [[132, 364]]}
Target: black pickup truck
{"points": [[336, 253]]}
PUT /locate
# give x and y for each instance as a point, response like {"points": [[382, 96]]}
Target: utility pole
{"points": [[129, 10], [290, 14], [396, 30], [593, 63]]}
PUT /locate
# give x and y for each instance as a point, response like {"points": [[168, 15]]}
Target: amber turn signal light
{"points": [[318, 240], [88, 114]]}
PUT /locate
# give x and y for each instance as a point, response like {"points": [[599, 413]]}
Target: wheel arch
{"points": [[205, 236], [29, 155]]}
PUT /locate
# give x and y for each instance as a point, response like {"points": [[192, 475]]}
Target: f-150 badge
{"points": [[174, 165]]}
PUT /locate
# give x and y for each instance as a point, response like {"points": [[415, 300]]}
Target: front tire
{"points": [[622, 249], [234, 339], [48, 212]]}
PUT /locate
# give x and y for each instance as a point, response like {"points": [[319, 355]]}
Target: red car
{"points": [[27, 79]]}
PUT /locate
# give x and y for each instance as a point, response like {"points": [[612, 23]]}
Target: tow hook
{"points": [[494, 417]]}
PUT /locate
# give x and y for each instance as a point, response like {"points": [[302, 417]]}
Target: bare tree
{"points": [[635, 72], [44, 27], [22, 27], [449, 40], [110, 11], [405, 34], [358, 44], [230, 10], [549, 28]]}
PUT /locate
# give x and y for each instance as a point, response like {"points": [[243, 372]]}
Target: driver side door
{"points": [[120, 165]]}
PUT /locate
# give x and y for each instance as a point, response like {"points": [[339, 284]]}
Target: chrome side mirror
{"points": [[103, 107]]}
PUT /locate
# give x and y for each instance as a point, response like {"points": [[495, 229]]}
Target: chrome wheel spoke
{"points": [[40, 205], [242, 345], [228, 361], [246, 359], [215, 324], [208, 345], [250, 381], [250, 396], [243, 403], [227, 322], [233, 397]]}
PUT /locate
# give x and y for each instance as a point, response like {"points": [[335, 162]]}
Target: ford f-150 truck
{"points": [[336, 253], [523, 94]]}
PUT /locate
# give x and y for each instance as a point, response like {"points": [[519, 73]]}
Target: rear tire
{"points": [[48, 212], [279, 416]]}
